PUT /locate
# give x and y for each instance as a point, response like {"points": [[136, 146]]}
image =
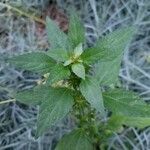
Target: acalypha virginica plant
{"points": [[83, 82]]}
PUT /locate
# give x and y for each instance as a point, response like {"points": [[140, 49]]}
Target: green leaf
{"points": [[115, 124], [58, 55], [92, 55], [127, 109], [76, 140], [58, 40], [35, 61], [57, 73], [139, 122], [76, 30], [91, 91], [110, 46], [125, 103], [68, 62], [116, 121], [55, 106], [78, 50], [107, 72], [33, 96], [79, 70]]}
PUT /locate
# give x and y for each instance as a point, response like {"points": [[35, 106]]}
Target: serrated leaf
{"points": [[57, 73], [139, 122], [110, 46], [76, 140], [35, 61], [125, 103], [116, 121], [33, 96], [55, 107], [58, 40], [107, 72], [91, 91], [79, 70], [76, 30]]}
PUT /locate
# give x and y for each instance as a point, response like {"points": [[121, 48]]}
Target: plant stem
{"points": [[7, 101], [23, 13], [85, 115]]}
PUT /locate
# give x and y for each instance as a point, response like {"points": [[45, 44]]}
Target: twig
{"points": [[23, 13], [7, 101], [139, 69]]}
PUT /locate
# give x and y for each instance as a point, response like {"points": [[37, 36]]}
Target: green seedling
{"points": [[83, 82]]}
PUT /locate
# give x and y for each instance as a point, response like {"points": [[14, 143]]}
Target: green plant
{"points": [[84, 83]]}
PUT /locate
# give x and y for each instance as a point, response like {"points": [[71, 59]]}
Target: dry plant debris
{"points": [[19, 34]]}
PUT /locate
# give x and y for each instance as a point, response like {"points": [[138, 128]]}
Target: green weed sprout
{"points": [[83, 82]]}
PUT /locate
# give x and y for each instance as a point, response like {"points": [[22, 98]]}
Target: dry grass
{"points": [[19, 34]]}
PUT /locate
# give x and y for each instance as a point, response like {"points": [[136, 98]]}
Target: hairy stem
{"points": [[87, 118]]}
